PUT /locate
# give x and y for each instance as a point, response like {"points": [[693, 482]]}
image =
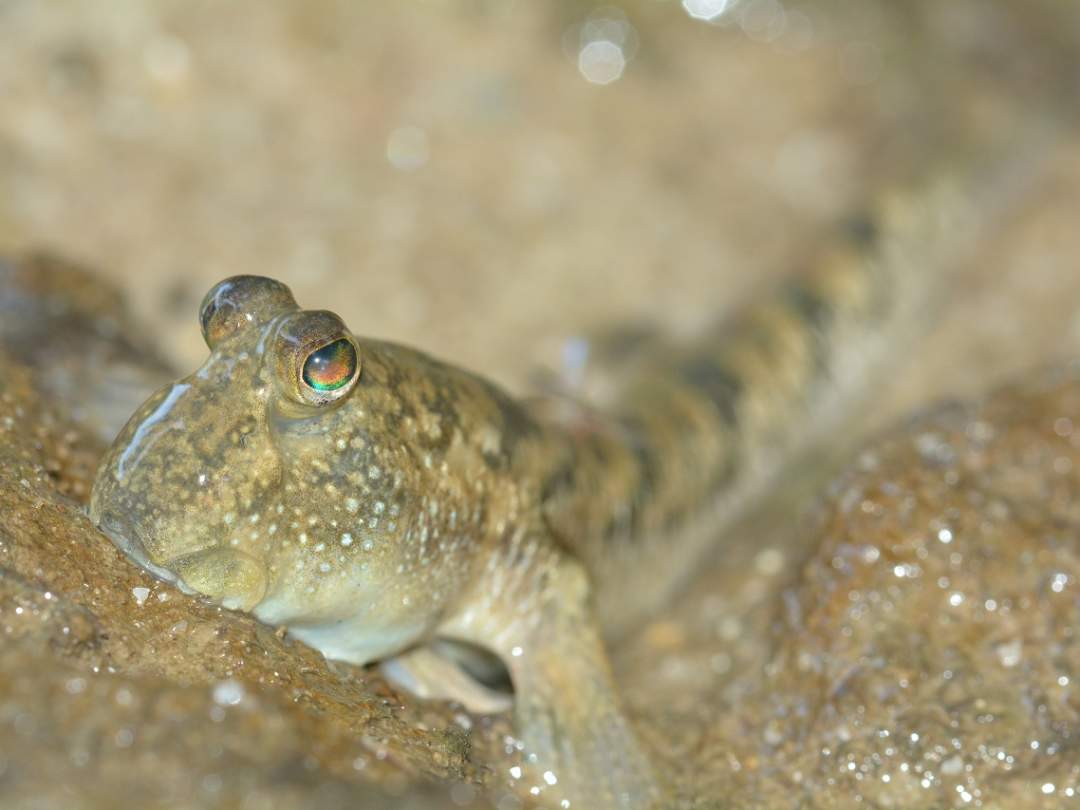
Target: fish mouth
{"points": [[124, 536]]}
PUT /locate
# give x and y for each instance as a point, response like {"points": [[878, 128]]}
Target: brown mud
{"points": [[443, 174]]}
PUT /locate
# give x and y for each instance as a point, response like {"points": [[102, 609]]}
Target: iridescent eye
{"points": [[332, 367], [317, 360]]}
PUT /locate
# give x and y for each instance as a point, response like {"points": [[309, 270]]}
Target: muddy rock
{"points": [[113, 684], [88, 355], [913, 646], [929, 655]]}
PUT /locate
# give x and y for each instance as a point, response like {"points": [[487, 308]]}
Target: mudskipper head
{"points": [[255, 480]]}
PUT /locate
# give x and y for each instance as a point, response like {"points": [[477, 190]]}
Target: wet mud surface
{"points": [[899, 633], [907, 640], [910, 643]]}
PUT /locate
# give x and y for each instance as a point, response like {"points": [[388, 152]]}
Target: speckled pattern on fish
{"points": [[372, 499]]}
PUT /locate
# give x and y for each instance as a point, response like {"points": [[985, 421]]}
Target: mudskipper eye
{"points": [[330, 368], [318, 362], [240, 302]]}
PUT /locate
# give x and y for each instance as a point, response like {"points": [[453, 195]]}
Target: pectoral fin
{"points": [[228, 576], [426, 673], [580, 749]]}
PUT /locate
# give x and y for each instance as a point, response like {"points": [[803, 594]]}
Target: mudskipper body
{"points": [[378, 502]]}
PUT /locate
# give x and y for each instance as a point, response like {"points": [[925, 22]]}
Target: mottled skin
{"points": [[408, 508], [420, 502]]}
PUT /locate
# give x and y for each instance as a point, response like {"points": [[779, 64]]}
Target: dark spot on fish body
{"points": [[559, 483], [648, 461], [816, 313], [707, 375], [624, 523], [442, 409], [867, 243], [515, 423], [809, 305]]}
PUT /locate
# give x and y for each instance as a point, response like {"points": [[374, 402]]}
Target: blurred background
{"points": [[485, 178], [488, 178]]}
